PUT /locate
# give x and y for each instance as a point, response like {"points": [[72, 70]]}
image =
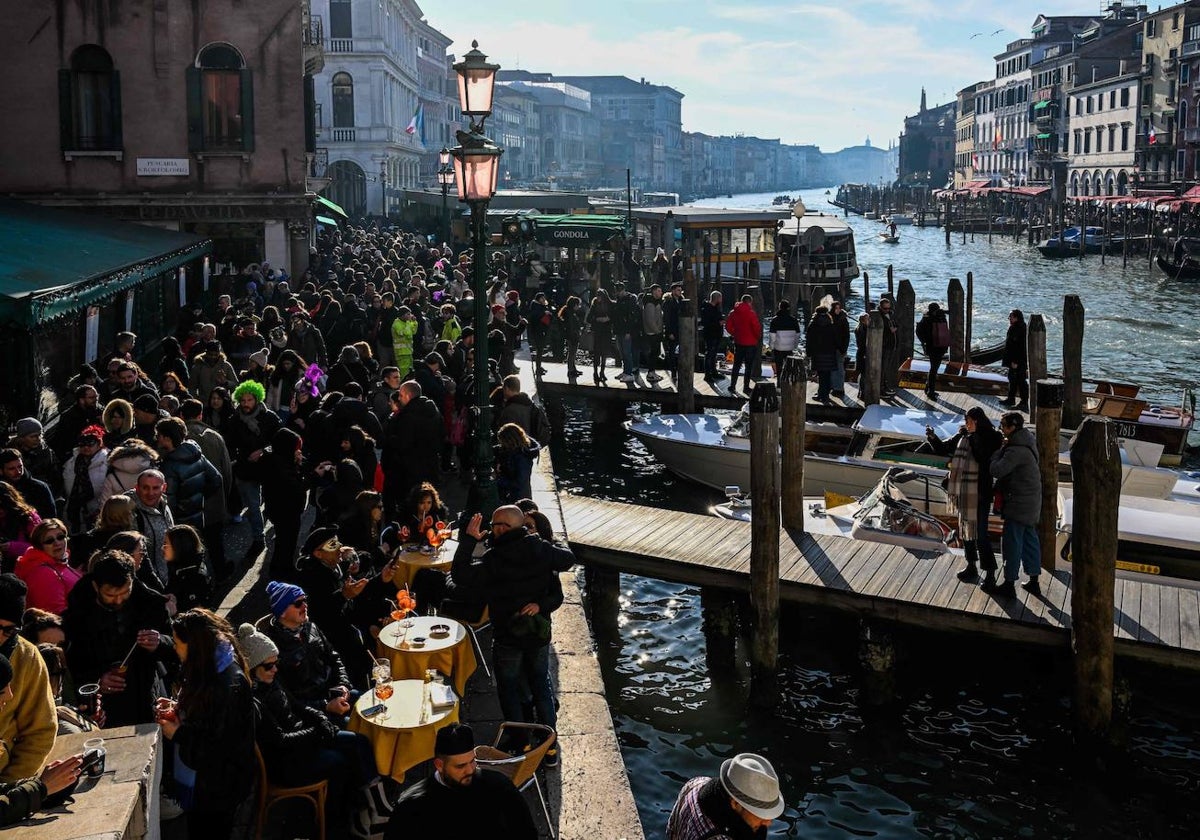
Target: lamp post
{"points": [[476, 166], [445, 176], [383, 167]]}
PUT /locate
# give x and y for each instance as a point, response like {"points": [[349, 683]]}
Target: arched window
{"points": [[343, 101], [220, 102], [89, 96]]}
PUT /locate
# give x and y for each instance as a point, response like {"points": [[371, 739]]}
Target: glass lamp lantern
{"points": [[476, 168], [476, 82]]}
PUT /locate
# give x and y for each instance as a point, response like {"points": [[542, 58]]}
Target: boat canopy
{"points": [[906, 422]]}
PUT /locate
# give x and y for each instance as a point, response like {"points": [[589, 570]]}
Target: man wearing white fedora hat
{"points": [[741, 803]]}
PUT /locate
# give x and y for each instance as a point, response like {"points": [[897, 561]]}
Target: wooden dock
{"points": [[1151, 622], [556, 385]]}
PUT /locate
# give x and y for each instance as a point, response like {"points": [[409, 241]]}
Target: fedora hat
{"points": [[752, 783]]}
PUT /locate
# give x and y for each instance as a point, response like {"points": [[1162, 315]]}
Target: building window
{"points": [[1112, 99], [343, 101], [1185, 74], [1078, 107], [1125, 97], [220, 102], [89, 101], [1150, 27], [1087, 141], [340, 19], [1112, 138], [1124, 138]]}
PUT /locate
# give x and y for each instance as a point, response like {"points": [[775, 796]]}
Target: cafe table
{"points": [[403, 736], [450, 652], [409, 561]]}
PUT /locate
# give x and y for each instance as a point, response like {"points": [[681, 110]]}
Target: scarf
{"points": [[963, 489], [251, 419], [82, 492]]}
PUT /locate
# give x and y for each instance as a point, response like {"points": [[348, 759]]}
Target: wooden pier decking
{"points": [[1151, 622], [556, 385]]}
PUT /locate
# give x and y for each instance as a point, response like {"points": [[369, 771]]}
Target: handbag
{"points": [[457, 434]]}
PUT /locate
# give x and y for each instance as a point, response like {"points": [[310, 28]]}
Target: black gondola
{"points": [[1189, 269]]}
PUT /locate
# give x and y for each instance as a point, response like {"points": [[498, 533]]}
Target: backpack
{"points": [[540, 424], [941, 334]]}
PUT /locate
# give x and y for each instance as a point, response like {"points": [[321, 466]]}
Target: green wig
{"points": [[250, 387]]}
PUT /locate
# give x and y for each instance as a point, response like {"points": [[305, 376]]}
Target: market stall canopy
{"points": [[54, 262], [577, 230], [329, 205]]}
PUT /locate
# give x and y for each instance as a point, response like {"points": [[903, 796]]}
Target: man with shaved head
{"points": [[518, 578]]}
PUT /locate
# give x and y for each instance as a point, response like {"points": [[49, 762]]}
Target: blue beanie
{"points": [[282, 596]]}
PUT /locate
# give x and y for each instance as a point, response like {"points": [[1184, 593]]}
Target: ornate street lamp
{"points": [[476, 167], [445, 176]]}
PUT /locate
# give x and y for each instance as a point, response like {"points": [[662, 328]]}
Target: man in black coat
{"points": [[518, 578], [113, 619], [461, 801], [711, 329], [37, 493], [83, 413], [411, 445], [249, 433], [191, 478], [1016, 362]]}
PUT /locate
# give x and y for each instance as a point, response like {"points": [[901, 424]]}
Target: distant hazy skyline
{"points": [[829, 75]]}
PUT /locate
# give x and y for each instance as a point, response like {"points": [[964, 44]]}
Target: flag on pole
{"points": [[417, 124], [1153, 136]]}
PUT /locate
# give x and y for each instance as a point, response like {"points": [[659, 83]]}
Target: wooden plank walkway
{"points": [[555, 384], [1151, 622]]}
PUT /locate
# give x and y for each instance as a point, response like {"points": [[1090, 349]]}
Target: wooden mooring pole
{"points": [[968, 318], [1072, 355], [955, 304], [764, 544], [1035, 350], [890, 279], [1096, 466], [906, 320], [1048, 420], [866, 291], [793, 384], [870, 377], [687, 344]]}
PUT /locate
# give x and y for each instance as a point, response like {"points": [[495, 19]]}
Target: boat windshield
{"points": [[907, 423]]}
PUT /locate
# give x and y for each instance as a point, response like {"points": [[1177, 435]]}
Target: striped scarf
{"points": [[963, 490]]}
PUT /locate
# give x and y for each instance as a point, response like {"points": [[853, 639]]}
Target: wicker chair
{"points": [[521, 769], [269, 794]]}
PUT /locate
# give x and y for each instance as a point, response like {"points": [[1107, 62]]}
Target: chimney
{"points": [[643, 80], [1121, 71]]}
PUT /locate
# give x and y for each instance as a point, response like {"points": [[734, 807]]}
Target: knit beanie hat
{"points": [[281, 595], [12, 598], [256, 646], [28, 426]]}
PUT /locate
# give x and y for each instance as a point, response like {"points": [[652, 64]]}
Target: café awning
{"points": [[55, 262], [325, 220], [571, 230], [329, 205], [1045, 103], [1043, 137]]}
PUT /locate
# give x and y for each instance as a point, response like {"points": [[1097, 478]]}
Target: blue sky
{"points": [[828, 73]]}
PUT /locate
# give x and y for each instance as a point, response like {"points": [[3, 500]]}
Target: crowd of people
{"points": [[343, 396]]}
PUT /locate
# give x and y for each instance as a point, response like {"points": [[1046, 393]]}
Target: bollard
{"points": [[954, 305], [905, 313], [891, 281], [1096, 467], [866, 290], [1035, 349], [685, 381], [1048, 420], [869, 378], [1072, 353], [793, 384], [764, 543]]}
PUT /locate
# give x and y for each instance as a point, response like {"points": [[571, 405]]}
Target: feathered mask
{"points": [[312, 376]]}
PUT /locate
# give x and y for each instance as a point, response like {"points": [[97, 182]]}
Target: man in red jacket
{"points": [[746, 329]]}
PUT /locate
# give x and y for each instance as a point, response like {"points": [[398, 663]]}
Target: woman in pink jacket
{"points": [[45, 570], [17, 521]]}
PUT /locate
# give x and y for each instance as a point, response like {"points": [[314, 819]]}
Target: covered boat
{"points": [[817, 253]]}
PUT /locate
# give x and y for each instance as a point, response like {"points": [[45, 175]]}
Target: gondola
{"points": [[889, 239], [1189, 269]]}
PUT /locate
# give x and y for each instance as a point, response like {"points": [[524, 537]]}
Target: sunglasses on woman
{"points": [[55, 539]]}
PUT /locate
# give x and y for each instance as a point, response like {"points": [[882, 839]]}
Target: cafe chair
{"points": [[482, 623], [520, 769], [269, 794]]}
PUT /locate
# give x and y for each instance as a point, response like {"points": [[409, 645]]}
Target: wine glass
{"points": [[382, 673]]}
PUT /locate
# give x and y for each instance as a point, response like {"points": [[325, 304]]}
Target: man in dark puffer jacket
{"points": [[191, 478]]}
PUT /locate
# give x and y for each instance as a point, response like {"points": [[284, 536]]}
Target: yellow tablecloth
{"points": [[405, 737], [410, 562], [453, 655]]}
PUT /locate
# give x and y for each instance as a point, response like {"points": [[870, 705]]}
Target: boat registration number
{"points": [[1144, 568]]}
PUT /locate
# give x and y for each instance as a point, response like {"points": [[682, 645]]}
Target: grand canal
{"points": [[977, 742]]}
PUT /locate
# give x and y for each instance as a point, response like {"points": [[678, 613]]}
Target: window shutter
{"points": [[247, 111], [195, 116], [66, 128], [116, 141]]}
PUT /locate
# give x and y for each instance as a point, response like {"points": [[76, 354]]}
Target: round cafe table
{"points": [[453, 655], [405, 737], [408, 563]]}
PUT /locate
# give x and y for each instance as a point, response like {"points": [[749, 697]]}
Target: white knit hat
{"points": [[257, 647]]}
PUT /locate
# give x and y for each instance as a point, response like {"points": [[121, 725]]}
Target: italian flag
{"points": [[417, 124]]}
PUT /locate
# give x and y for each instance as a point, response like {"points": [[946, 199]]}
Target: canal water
{"points": [[977, 743]]}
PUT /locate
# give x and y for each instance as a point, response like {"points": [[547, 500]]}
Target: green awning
{"points": [[54, 262], [1043, 104], [1043, 137], [577, 229], [325, 220], [329, 205]]}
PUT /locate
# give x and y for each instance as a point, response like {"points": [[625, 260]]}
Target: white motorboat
{"points": [[714, 450], [896, 218], [885, 514], [817, 251]]}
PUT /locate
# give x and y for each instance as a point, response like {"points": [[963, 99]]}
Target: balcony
{"points": [[1162, 141], [1190, 48], [1170, 64], [313, 38], [367, 134], [341, 45]]}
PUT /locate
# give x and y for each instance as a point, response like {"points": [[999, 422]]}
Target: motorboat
{"points": [[894, 217], [817, 252], [885, 514], [714, 450], [1066, 243]]}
